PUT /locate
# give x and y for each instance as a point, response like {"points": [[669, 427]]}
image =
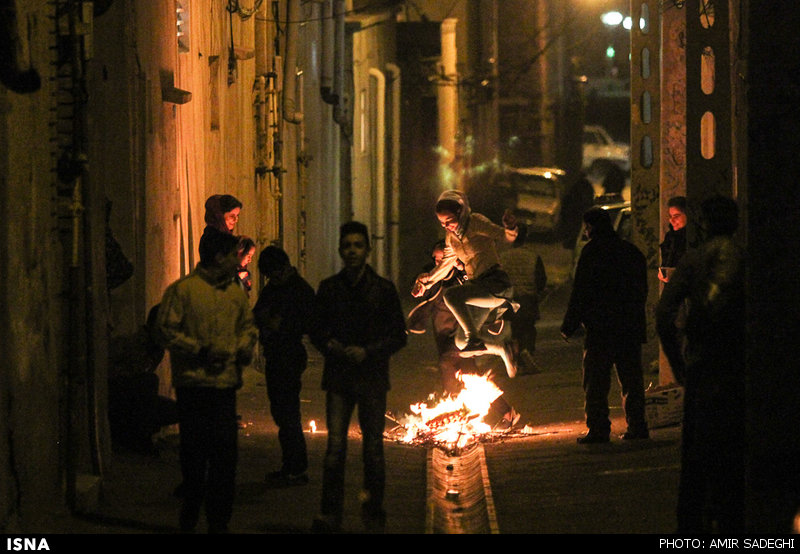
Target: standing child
{"points": [[361, 325], [206, 324], [284, 313], [246, 250]]}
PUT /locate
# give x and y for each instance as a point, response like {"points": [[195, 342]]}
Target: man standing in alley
{"points": [[360, 324], [206, 323], [608, 298]]}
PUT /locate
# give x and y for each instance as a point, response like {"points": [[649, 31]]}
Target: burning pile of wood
{"points": [[451, 422]]}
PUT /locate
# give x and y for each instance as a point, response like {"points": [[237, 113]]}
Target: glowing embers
{"points": [[452, 422]]}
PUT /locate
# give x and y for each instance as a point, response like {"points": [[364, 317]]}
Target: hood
{"points": [[463, 218], [215, 217]]}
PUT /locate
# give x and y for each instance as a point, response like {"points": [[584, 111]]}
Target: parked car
{"points": [[536, 194], [600, 150], [620, 212]]}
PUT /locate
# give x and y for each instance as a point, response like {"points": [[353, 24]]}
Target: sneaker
{"points": [[189, 516], [510, 419], [280, 479], [510, 360], [527, 365], [593, 438], [496, 327], [474, 345], [374, 520]]}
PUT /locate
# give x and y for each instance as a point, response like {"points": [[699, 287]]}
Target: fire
{"points": [[312, 426], [453, 421]]}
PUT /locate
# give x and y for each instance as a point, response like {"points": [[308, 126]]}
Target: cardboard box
{"points": [[663, 405]]}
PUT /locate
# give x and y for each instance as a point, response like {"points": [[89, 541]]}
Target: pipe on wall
{"points": [[290, 111], [339, 111], [302, 180], [394, 217], [328, 54], [447, 93], [379, 233]]}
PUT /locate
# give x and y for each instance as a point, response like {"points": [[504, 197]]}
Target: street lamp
{"points": [[612, 19]]}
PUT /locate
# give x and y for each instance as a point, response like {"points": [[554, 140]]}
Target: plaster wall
{"points": [[32, 293]]}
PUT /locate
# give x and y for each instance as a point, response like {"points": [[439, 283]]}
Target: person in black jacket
{"points": [[360, 325], [711, 367], [608, 298], [284, 314]]}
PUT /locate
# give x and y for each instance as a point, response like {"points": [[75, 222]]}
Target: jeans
{"points": [[371, 419], [597, 363], [471, 304], [283, 390]]}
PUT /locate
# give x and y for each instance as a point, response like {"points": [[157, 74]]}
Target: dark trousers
{"points": [[136, 411], [208, 454], [371, 419], [597, 363], [711, 490], [283, 390], [523, 322]]}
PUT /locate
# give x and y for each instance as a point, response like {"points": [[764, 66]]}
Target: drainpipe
{"points": [[394, 218], [77, 348], [302, 177], [339, 112], [13, 71], [290, 112], [260, 88], [447, 95], [277, 170], [379, 232], [328, 32], [83, 308]]}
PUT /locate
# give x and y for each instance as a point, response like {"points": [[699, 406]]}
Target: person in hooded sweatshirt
{"points": [[222, 214], [471, 241], [206, 323]]}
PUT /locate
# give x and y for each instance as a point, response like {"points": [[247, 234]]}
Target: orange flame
{"points": [[454, 421]]}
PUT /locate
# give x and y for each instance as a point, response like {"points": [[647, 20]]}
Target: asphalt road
{"points": [[541, 481]]}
